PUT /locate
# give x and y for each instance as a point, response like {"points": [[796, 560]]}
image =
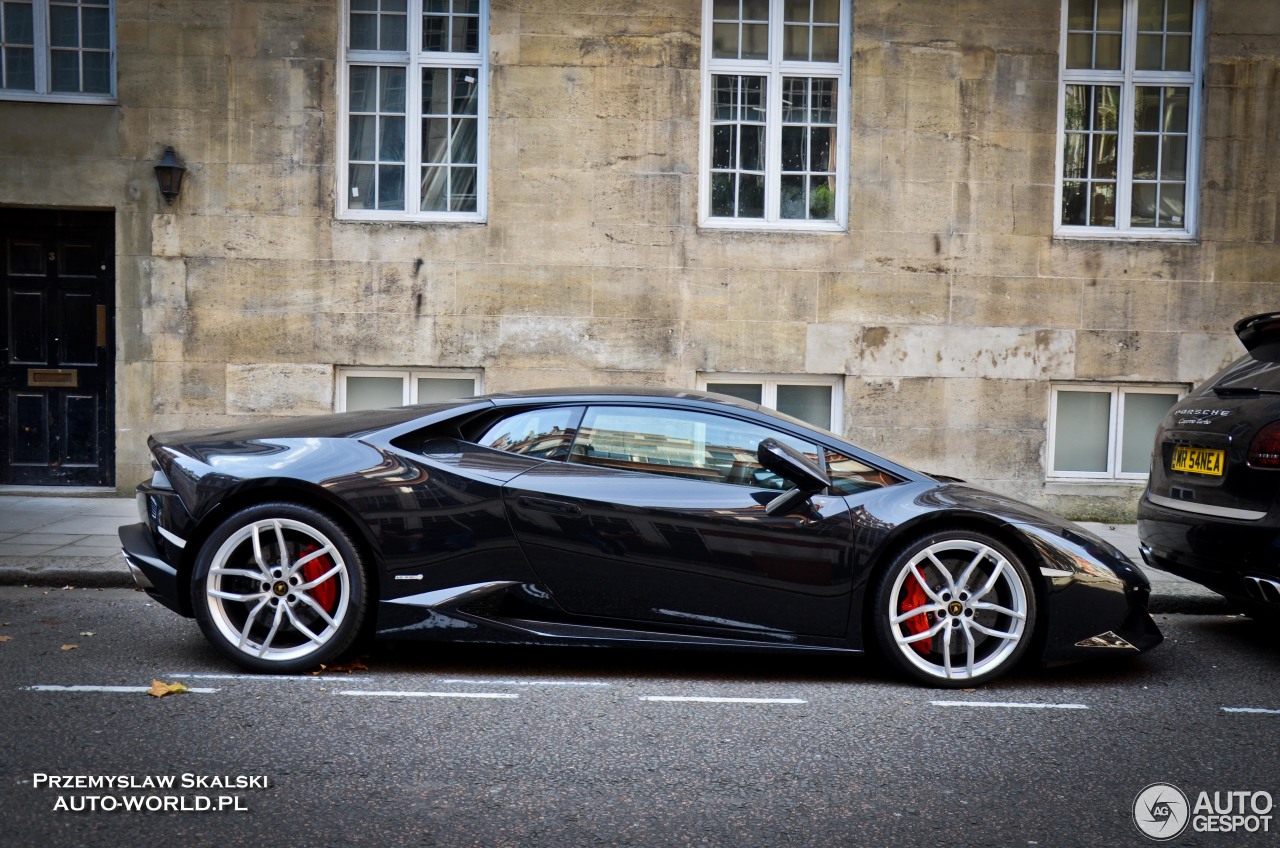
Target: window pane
{"points": [[363, 91], [1107, 57], [826, 44], [362, 191], [390, 187], [544, 433], [1173, 159], [1075, 203], [1179, 16], [435, 189], [796, 10], [374, 392], [363, 132], [755, 41], [393, 33], [689, 445], [1175, 110], [431, 389], [64, 26], [1150, 52], [750, 392], [1143, 412], [462, 186], [464, 141], [19, 69], [724, 41], [751, 196], [826, 11], [1172, 203], [795, 43], [794, 199], [1080, 14], [1079, 50], [1146, 150], [66, 70], [1110, 15], [1177, 53], [808, 403], [1151, 15], [97, 72], [364, 32], [1102, 205], [1081, 431], [17, 24], [97, 24], [1145, 198], [391, 139]]}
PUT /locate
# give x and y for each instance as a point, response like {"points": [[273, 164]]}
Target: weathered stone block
{"points": [[279, 389]]}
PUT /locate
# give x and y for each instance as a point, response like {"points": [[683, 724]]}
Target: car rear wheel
{"points": [[954, 608], [279, 588]]}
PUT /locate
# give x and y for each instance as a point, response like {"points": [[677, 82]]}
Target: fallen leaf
{"points": [[67, 588], [159, 688], [348, 667], [69, 647], [6, 638], [87, 633], [49, 621]]}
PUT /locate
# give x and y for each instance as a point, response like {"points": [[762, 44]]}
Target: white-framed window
{"points": [[413, 95], [775, 114], [815, 399], [1129, 118], [58, 50], [379, 388], [1105, 432]]}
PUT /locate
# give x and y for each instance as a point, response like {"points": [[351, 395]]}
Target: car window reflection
{"points": [[675, 443]]}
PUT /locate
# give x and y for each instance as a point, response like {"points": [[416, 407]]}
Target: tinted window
{"points": [[680, 444], [546, 433], [848, 476]]}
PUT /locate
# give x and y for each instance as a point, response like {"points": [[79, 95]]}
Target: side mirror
{"points": [[794, 467]]}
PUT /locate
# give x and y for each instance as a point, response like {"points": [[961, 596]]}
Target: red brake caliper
{"points": [[914, 598], [326, 594]]}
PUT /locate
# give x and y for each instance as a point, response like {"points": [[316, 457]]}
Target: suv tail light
{"points": [[1264, 451]]}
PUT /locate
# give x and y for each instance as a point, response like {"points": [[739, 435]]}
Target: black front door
{"points": [[57, 350]]}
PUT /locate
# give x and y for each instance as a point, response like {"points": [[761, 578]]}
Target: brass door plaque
{"points": [[52, 378]]}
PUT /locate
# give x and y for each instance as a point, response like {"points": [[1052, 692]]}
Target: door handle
{"points": [[549, 505]]}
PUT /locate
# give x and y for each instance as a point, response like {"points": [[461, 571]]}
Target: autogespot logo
{"points": [[1160, 811]]}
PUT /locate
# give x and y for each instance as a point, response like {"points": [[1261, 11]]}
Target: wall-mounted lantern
{"points": [[169, 172]]}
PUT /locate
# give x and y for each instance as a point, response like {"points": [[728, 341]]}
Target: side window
{"points": [[545, 433], [849, 477], [692, 445]]}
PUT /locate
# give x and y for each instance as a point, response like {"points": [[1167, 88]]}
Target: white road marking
{"points": [[463, 682], [1010, 705], [287, 678], [394, 694], [199, 690], [1250, 710], [688, 699]]}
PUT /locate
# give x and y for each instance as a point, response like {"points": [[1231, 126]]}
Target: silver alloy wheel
{"points": [[967, 617], [278, 589]]}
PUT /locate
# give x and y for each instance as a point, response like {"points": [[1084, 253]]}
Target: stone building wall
{"points": [[948, 306]]}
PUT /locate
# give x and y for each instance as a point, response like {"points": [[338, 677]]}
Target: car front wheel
{"points": [[279, 588], [954, 608]]}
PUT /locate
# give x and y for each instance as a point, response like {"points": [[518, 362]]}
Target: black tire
{"points": [[273, 613], [977, 609]]}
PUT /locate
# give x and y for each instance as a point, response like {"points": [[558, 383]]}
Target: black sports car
{"points": [[599, 516], [1211, 512]]}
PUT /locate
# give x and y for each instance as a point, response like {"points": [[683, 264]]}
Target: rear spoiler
{"points": [[1258, 330]]}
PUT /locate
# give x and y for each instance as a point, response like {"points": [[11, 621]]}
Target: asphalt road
{"points": [[551, 747]]}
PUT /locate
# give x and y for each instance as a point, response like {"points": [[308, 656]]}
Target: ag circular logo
{"points": [[1161, 811]]}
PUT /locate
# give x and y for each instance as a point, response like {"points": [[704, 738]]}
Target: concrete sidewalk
{"points": [[61, 541]]}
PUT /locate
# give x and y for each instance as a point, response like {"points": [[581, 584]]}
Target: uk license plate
{"points": [[1198, 460]]}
